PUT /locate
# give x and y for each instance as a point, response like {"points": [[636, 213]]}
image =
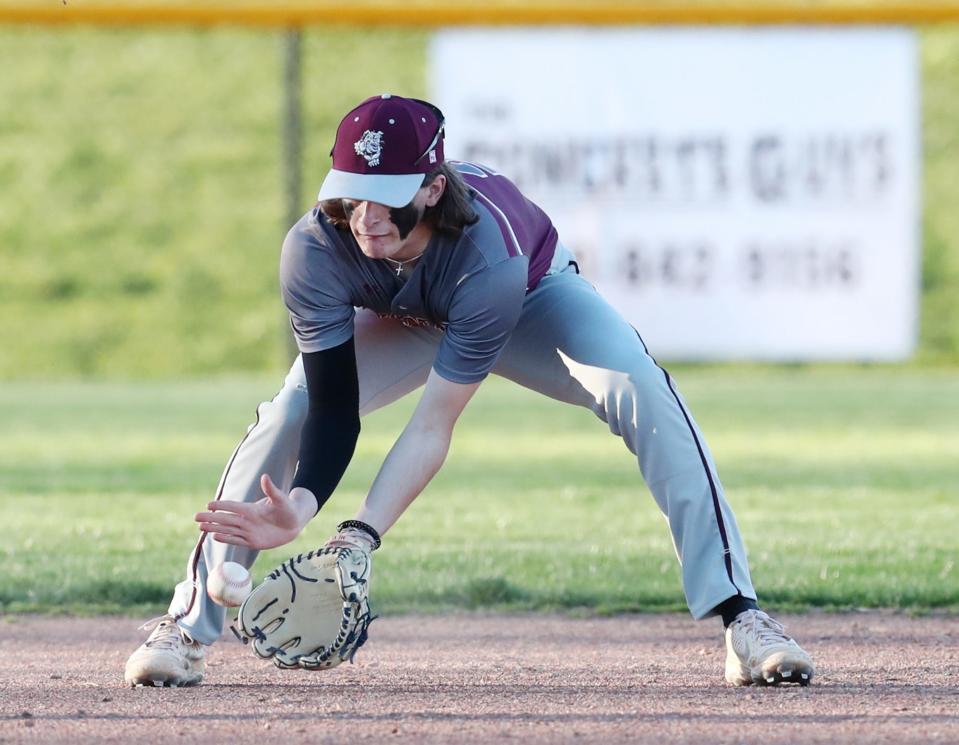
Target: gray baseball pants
{"points": [[570, 345]]}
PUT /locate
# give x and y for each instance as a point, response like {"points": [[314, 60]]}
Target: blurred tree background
{"points": [[142, 209]]}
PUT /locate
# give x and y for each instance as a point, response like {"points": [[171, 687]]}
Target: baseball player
{"points": [[413, 271]]}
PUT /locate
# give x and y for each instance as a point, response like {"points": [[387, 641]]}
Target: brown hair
{"points": [[450, 215]]}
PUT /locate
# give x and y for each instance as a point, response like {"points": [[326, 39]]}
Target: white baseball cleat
{"points": [[169, 658], [759, 651]]}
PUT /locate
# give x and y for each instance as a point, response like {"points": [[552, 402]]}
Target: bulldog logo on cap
{"points": [[370, 146]]}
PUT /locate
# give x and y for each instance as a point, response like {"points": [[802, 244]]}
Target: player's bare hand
{"points": [[272, 521]]}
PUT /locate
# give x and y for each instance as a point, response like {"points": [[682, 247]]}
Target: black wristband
{"points": [[360, 525]]}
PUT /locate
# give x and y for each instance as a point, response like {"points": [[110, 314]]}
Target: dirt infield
{"points": [[474, 678]]}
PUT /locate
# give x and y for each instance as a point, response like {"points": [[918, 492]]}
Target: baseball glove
{"points": [[313, 611]]}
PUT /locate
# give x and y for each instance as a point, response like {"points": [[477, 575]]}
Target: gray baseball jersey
{"points": [[471, 286]]}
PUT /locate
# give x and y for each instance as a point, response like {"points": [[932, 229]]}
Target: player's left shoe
{"points": [[759, 651]]}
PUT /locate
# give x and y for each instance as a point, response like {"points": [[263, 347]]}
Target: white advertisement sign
{"points": [[737, 193]]}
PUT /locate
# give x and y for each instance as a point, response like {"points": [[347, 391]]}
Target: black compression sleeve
{"points": [[333, 422]]}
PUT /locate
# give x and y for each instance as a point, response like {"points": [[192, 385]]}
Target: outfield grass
{"points": [[844, 482]]}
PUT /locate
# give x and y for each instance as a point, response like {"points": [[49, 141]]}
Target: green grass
{"points": [[844, 481], [142, 206], [143, 195]]}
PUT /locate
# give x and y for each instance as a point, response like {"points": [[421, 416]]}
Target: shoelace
{"points": [[154, 622], [766, 629], [166, 634]]}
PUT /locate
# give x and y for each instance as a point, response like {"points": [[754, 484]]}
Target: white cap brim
{"points": [[393, 191]]}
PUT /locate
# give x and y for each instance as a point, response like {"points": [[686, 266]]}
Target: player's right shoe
{"points": [[759, 651], [168, 658]]}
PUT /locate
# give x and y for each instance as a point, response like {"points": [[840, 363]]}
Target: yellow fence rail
{"points": [[503, 14]]}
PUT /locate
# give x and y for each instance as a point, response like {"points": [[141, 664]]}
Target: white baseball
{"points": [[228, 584]]}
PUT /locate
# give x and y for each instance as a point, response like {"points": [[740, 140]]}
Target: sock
{"points": [[732, 607]]}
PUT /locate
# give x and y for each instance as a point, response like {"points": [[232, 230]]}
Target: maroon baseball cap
{"points": [[383, 149]]}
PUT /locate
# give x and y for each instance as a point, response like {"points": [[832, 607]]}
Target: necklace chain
{"points": [[400, 265]]}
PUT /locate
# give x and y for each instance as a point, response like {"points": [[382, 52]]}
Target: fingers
{"points": [[227, 506], [226, 527], [247, 509], [271, 490], [221, 529], [221, 518]]}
